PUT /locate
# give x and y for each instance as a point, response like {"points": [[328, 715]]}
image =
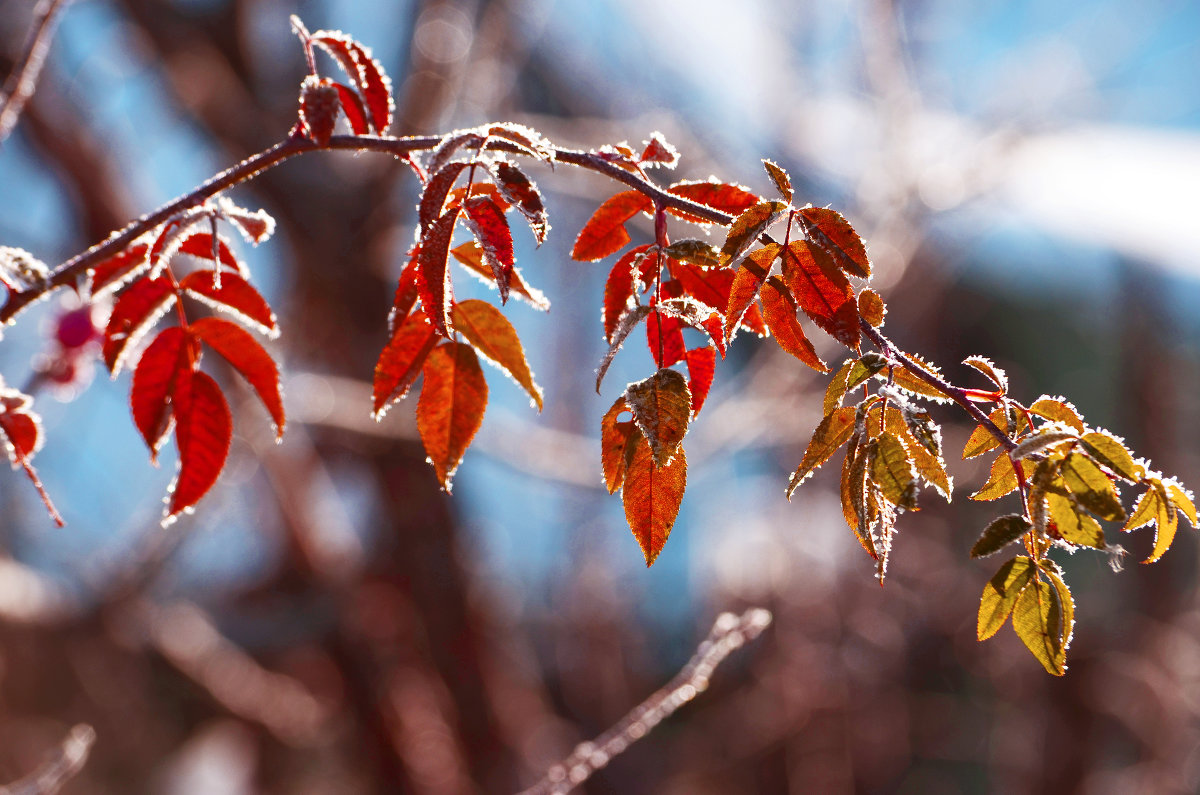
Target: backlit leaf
{"points": [[1046, 437], [117, 271], [993, 373], [365, 71], [725, 197], [664, 337], [999, 534], [833, 233], [355, 110], [659, 153], [255, 226], [908, 380], [1057, 410], [628, 322], [662, 407], [694, 251], [1038, 621], [702, 365], [200, 244], [836, 390], [780, 316], [822, 292], [166, 360], [783, 183], [450, 409], [319, 104], [401, 361], [235, 296], [1182, 500], [1109, 451], [982, 440], [1065, 601], [614, 439], [135, 312], [490, 333], [1092, 487], [433, 199], [242, 351], [433, 277], [893, 473], [495, 238], [746, 284], [407, 292], [1000, 595], [1166, 522], [652, 495], [1001, 481], [747, 227], [924, 449], [525, 196], [203, 432], [1073, 524], [605, 232], [621, 285], [470, 256], [871, 307], [833, 432]]}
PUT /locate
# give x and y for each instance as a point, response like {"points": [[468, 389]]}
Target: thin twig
{"points": [[729, 632], [18, 88], [65, 765]]}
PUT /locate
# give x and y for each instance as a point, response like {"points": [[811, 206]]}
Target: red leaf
{"points": [[470, 255], [525, 196], [664, 335], [22, 433], [352, 106], [822, 291], [143, 303], [235, 296], [780, 314], [659, 152], [829, 230], [694, 314], [652, 496], [433, 200], [433, 278], [726, 197], [401, 360], [114, 272], [620, 286], [163, 363], [495, 238], [628, 321], [319, 103], [702, 366], [255, 226], [451, 406], [203, 432], [249, 358], [200, 245], [365, 71], [709, 286], [605, 232], [406, 293], [490, 333], [746, 285]]}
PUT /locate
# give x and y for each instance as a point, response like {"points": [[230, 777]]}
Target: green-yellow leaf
{"points": [[1166, 520], [1000, 594], [999, 534], [929, 465], [1144, 511], [661, 406], [1038, 621], [893, 473], [1073, 524], [831, 434], [1092, 487], [837, 389], [1109, 451]]}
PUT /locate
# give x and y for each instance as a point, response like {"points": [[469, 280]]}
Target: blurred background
{"points": [[1025, 175]]}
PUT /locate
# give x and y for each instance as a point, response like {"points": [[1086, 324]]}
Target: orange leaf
{"points": [[401, 361], [470, 256], [605, 232], [614, 439], [490, 333], [829, 230], [780, 314], [203, 432], [451, 406], [652, 496], [872, 307], [822, 292], [621, 286], [241, 350], [661, 406]]}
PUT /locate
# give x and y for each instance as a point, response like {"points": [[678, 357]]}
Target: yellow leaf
{"points": [[1166, 520], [1038, 621], [1001, 481], [1057, 410], [1092, 487], [1000, 594], [1108, 450], [892, 472], [1182, 500], [835, 429], [1073, 525]]}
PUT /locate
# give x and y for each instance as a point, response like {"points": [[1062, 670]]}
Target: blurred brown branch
{"points": [[66, 763], [18, 88]]}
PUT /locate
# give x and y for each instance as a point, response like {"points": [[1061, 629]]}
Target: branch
{"points": [[18, 88], [729, 632], [66, 764]]}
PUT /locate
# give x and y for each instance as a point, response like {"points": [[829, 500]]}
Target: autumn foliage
{"points": [[784, 270]]}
